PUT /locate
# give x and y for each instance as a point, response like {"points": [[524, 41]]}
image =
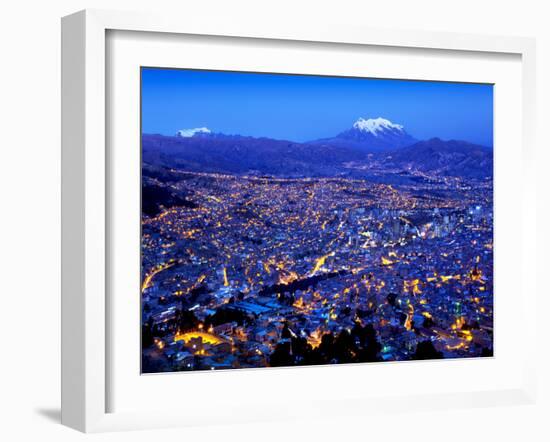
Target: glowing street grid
{"points": [[369, 243]]}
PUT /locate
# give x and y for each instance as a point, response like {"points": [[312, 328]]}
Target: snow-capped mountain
{"points": [[206, 133], [188, 133], [376, 126], [372, 135]]}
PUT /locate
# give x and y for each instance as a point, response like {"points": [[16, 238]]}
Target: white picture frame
{"points": [[85, 308]]}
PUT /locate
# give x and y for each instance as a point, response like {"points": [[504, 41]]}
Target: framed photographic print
{"points": [[252, 213], [294, 246]]}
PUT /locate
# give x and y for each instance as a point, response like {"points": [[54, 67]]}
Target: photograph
{"points": [[296, 220]]}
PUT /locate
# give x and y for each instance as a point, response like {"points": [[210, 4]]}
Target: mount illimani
{"points": [[370, 144], [372, 135]]}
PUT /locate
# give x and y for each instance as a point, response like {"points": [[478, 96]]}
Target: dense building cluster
{"points": [[268, 271]]}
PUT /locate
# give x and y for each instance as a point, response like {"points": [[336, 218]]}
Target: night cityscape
{"points": [[369, 243]]}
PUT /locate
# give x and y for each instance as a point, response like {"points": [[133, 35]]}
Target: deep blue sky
{"points": [[303, 108]]}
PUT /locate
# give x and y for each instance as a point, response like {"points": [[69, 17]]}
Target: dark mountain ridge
{"points": [[446, 158], [239, 155]]}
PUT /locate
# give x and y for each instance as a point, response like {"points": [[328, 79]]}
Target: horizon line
{"points": [[419, 140]]}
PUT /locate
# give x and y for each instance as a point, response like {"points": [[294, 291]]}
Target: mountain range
{"points": [[368, 142]]}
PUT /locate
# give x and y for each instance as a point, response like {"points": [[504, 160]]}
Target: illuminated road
{"points": [[320, 262], [147, 282]]}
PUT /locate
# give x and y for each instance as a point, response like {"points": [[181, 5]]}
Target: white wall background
{"points": [[30, 214]]}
